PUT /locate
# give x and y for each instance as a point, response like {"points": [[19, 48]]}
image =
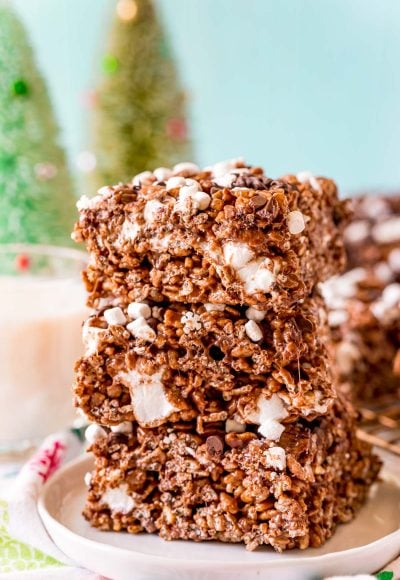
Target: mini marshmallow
{"points": [[347, 354], [118, 500], [232, 426], [276, 458], [125, 427], [374, 207], [174, 183], [201, 200], [191, 322], [140, 329], [254, 314], [144, 178], [268, 414], [223, 167], [394, 260], [148, 396], [162, 173], [186, 168], [139, 309], [105, 190], [214, 307], [388, 231], [337, 317], [357, 231], [383, 272], [256, 277], [88, 478], [129, 231], [225, 180], [161, 244], [237, 254], [115, 316], [90, 338], [305, 176], [86, 202], [94, 433], [253, 331], [152, 211], [295, 222]]}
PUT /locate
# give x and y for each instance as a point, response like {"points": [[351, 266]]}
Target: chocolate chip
{"points": [[258, 201], [215, 447]]}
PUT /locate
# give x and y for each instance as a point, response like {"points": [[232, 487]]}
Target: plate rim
{"points": [[47, 518]]}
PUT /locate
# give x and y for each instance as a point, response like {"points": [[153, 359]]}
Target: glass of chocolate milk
{"points": [[41, 312]]}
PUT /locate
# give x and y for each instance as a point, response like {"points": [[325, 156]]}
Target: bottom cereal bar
{"points": [[231, 487]]}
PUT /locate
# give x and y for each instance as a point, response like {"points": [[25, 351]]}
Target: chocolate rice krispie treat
{"points": [[227, 234], [229, 486], [155, 364], [372, 238], [365, 321]]}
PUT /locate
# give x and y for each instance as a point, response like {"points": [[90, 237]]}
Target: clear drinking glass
{"points": [[42, 306]]}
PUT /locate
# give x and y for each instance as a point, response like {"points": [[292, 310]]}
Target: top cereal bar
{"points": [[227, 234]]}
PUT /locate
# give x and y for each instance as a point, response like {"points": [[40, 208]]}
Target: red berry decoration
{"points": [[22, 263], [176, 129]]}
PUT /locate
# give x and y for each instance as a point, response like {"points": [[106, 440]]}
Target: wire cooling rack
{"points": [[380, 424]]}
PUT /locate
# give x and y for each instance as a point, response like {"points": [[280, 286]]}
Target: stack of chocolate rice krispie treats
{"points": [[365, 301], [208, 374]]}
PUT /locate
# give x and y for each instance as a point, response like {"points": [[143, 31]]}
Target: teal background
{"points": [[289, 84]]}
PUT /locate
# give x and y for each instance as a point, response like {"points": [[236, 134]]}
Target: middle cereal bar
{"points": [[214, 363]]}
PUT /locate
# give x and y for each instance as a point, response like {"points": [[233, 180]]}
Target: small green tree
{"points": [[139, 113], [37, 204]]}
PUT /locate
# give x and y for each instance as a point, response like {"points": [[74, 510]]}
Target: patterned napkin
{"points": [[26, 550]]}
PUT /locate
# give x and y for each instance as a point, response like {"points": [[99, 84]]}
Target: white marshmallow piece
{"points": [[138, 310], [394, 260], [118, 500], [114, 316], [276, 458], [129, 231], [86, 202], [256, 276], [388, 231], [186, 169], [253, 331], [307, 176], [125, 427], [152, 211], [191, 322], [347, 354], [94, 433], [237, 254], [140, 329], [201, 200], [87, 478], [90, 338], [148, 396], [175, 183], [295, 222], [144, 178], [225, 180], [162, 173], [268, 414], [254, 314], [357, 231], [232, 426], [214, 307]]}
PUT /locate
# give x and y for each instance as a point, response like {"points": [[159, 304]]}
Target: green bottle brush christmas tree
{"points": [[37, 204], [139, 114]]}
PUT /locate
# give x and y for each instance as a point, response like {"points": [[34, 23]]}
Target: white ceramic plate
{"points": [[363, 546]]}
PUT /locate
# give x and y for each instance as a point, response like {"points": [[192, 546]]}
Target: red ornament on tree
{"points": [[176, 129], [22, 263]]}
